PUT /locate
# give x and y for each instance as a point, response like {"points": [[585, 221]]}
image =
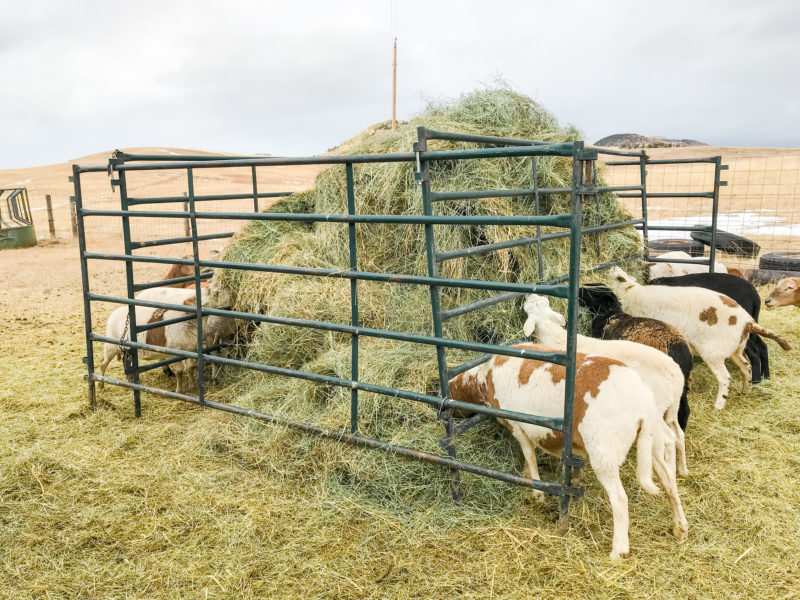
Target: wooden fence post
{"points": [[50, 221], [73, 211]]}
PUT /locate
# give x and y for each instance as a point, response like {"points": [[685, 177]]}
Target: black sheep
{"points": [[610, 322], [745, 294]]}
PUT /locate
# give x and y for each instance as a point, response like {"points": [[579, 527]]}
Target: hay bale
{"points": [[390, 189]]}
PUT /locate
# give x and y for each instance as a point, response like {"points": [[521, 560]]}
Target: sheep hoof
{"points": [[680, 531], [538, 496], [619, 554], [651, 488], [719, 404]]}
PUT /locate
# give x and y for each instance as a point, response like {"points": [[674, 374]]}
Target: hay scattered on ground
{"points": [[187, 503]]}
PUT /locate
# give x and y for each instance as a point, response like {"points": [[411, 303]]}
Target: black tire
{"points": [[780, 261], [691, 247], [729, 242], [765, 276]]}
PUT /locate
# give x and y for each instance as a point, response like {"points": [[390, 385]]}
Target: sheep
{"points": [[179, 336], [612, 408], [715, 326], [667, 269], [746, 295], [610, 322], [658, 371], [787, 293]]}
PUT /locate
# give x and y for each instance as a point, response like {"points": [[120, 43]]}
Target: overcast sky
{"points": [[299, 77]]}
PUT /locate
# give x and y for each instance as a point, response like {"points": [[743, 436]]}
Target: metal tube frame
{"points": [[584, 186]]}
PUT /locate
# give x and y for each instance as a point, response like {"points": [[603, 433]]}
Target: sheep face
{"points": [[787, 293], [538, 309], [621, 281]]}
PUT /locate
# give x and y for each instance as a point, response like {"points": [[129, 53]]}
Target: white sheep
{"points": [[715, 326], [667, 269], [612, 407], [658, 371], [179, 336]]}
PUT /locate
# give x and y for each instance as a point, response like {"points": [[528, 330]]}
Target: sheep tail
{"points": [[644, 457], [764, 332]]}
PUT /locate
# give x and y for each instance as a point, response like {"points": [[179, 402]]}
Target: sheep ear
{"points": [[529, 327]]}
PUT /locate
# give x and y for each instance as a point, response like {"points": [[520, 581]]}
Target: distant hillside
{"points": [[634, 140]]}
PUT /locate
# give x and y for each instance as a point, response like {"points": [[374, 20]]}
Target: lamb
{"points": [[787, 293], [746, 295], [659, 269], [610, 322], [612, 409], [715, 326], [658, 371], [179, 336]]}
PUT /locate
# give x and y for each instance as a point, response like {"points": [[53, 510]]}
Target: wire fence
{"points": [[759, 201]]}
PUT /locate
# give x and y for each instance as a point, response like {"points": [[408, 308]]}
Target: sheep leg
{"points": [[110, 352], [763, 354], [666, 476], [608, 475], [740, 360], [754, 358], [531, 465], [719, 370]]}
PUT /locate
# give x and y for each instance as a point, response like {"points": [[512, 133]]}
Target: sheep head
{"points": [[538, 309], [621, 282]]}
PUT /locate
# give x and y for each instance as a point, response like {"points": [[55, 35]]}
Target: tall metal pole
{"points": [[394, 87]]}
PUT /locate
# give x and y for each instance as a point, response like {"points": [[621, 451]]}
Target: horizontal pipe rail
{"points": [[181, 240], [551, 149], [138, 287], [704, 228], [478, 194], [554, 357], [206, 198], [558, 291], [688, 261], [440, 403], [445, 461], [433, 134], [547, 220], [164, 323], [661, 161], [609, 151], [169, 361], [487, 248]]}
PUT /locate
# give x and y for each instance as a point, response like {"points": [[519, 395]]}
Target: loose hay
{"points": [[189, 503]]}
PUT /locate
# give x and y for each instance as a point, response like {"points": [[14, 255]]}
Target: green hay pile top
{"points": [[390, 189]]}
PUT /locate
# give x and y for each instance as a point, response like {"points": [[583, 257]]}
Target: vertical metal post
{"points": [[87, 305], [255, 189], [643, 182], [197, 289], [714, 210], [430, 251], [578, 159], [50, 220], [351, 231], [537, 212], [131, 356]]}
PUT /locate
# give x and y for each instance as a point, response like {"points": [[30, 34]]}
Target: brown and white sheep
{"points": [[715, 326], [179, 336], [786, 293], [658, 371], [613, 407]]}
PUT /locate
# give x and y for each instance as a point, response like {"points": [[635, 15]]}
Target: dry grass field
{"points": [[191, 503]]}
